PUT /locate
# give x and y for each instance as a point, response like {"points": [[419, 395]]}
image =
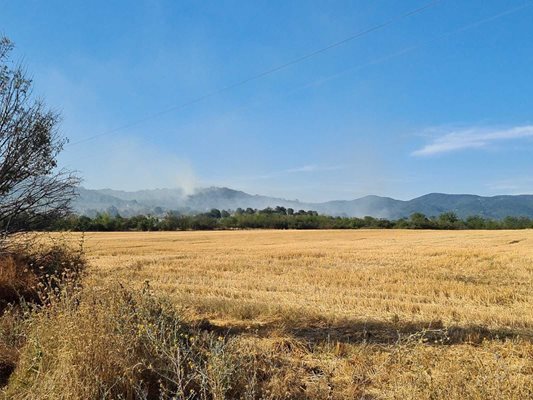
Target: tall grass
{"points": [[116, 343], [32, 275]]}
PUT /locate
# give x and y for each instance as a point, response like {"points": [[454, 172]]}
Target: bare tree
{"points": [[31, 185]]}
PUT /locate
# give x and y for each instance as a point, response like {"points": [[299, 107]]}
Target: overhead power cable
{"points": [[414, 47], [264, 73], [393, 55], [390, 56]]}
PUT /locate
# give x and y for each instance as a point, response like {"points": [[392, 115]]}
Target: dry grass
{"points": [[454, 278], [303, 315], [16, 280]]}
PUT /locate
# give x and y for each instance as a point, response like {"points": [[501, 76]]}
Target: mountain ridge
{"points": [[159, 201]]}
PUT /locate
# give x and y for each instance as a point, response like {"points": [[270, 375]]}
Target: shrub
{"points": [[31, 277], [117, 343], [26, 271]]}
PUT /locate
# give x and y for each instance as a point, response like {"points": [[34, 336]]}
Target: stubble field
{"points": [[349, 314]]}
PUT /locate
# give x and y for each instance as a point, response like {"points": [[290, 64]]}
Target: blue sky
{"points": [[437, 102]]}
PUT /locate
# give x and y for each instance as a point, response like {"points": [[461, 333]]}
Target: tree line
{"points": [[268, 218]]}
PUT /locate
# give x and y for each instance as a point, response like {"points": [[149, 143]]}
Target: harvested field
{"points": [[460, 279], [382, 314]]}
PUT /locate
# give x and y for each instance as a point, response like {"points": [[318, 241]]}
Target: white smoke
{"points": [[130, 165]]}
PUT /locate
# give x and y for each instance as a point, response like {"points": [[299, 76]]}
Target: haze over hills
{"points": [[159, 201]]}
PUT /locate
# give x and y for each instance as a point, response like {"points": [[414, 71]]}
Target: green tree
{"points": [[448, 220], [419, 221]]}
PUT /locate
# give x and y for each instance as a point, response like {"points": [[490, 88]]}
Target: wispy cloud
{"points": [[514, 185], [295, 170], [472, 138], [315, 168]]}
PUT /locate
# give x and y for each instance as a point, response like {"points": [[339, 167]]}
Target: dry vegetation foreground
{"points": [[366, 314], [384, 314]]}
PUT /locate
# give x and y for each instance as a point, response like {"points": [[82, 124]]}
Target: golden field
{"points": [[360, 314], [457, 304], [454, 278]]}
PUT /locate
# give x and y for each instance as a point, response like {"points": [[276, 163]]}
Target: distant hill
{"points": [[90, 202], [159, 201]]}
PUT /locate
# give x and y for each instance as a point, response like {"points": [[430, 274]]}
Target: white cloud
{"points": [[472, 138], [514, 185], [296, 170], [314, 168]]}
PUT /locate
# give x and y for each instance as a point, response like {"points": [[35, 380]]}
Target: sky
{"points": [[437, 101]]}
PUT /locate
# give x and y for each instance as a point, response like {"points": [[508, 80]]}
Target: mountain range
{"points": [[159, 201]]}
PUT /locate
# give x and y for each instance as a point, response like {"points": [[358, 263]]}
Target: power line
{"points": [[414, 47], [395, 54], [265, 73]]}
